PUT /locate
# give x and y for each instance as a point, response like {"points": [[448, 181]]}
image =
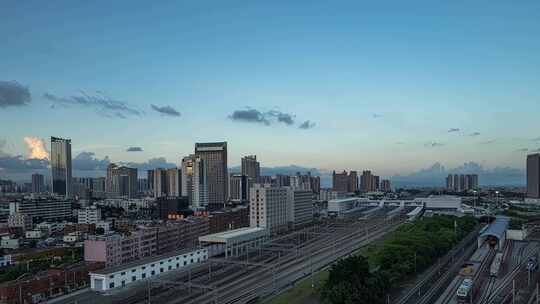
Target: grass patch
{"points": [[302, 293]]}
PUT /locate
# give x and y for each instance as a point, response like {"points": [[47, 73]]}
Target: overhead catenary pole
{"points": [[514, 291], [536, 292], [149, 285]]}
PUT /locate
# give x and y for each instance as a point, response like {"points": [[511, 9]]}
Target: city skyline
{"points": [[394, 91]]}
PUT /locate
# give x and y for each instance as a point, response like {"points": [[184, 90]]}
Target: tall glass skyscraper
{"points": [[61, 166], [215, 160], [533, 176]]}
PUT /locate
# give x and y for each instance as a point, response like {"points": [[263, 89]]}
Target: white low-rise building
{"points": [[120, 276], [89, 215], [106, 226], [33, 234], [9, 243], [342, 205], [23, 221], [73, 237], [51, 227], [441, 202]]}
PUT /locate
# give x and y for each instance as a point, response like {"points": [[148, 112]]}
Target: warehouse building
{"points": [[123, 275]]}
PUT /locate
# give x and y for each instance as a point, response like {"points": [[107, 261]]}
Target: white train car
{"points": [[496, 265]]}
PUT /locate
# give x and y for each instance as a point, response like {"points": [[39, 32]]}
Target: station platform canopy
{"points": [[234, 236], [497, 228]]}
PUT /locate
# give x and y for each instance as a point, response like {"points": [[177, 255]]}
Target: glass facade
{"points": [[61, 166]]}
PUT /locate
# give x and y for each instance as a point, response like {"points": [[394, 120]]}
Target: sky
{"points": [[391, 86]]}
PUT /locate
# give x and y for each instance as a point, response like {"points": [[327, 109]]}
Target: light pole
{"points": [[311, 269], [474, 202]]}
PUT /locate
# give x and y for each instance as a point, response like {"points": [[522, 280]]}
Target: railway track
{"points": [[310, 247], [500, 289]]}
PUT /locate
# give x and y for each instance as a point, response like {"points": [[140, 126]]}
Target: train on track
{"points": [[464, 292], [496, 265], [532, 264]]}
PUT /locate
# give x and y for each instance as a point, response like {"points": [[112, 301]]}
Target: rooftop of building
{"points": [[347, 199], [497, 228], [145, 261], [240, 234]]}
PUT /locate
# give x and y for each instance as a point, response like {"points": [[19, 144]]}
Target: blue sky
{"points": [[383, 83]]}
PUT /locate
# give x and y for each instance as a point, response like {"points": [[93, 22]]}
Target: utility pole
{"points": [[415, 270], [149, 290], [311, 268], [513, 290], [189, 280], [536, 292]]}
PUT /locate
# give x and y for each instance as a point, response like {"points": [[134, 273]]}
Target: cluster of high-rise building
{"points": [[348, 182], [462, 182], [202, 178], [121, 182], [345, 182], [165, 182], [369, 182]]}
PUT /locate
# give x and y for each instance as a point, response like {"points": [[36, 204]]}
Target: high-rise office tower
{"points": [[315, 182], [150, 180], [251, 167], [281, 180], [239, 188], [215, 162], [142, 186], [121, 182], [268, 206], [353, 181], [167, 182], [385, 185], [344, 182], [160, 182], [533, 175], [340, 181], [462, 182], [173, 182], [308, 182], [456, 183], [450, 182], [38, 183], [366, 181], [200, 184], [99, 187], [61, 166], [187, 177]]}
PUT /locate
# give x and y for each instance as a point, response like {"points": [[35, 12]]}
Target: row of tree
{"points": [[409, 250]]}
